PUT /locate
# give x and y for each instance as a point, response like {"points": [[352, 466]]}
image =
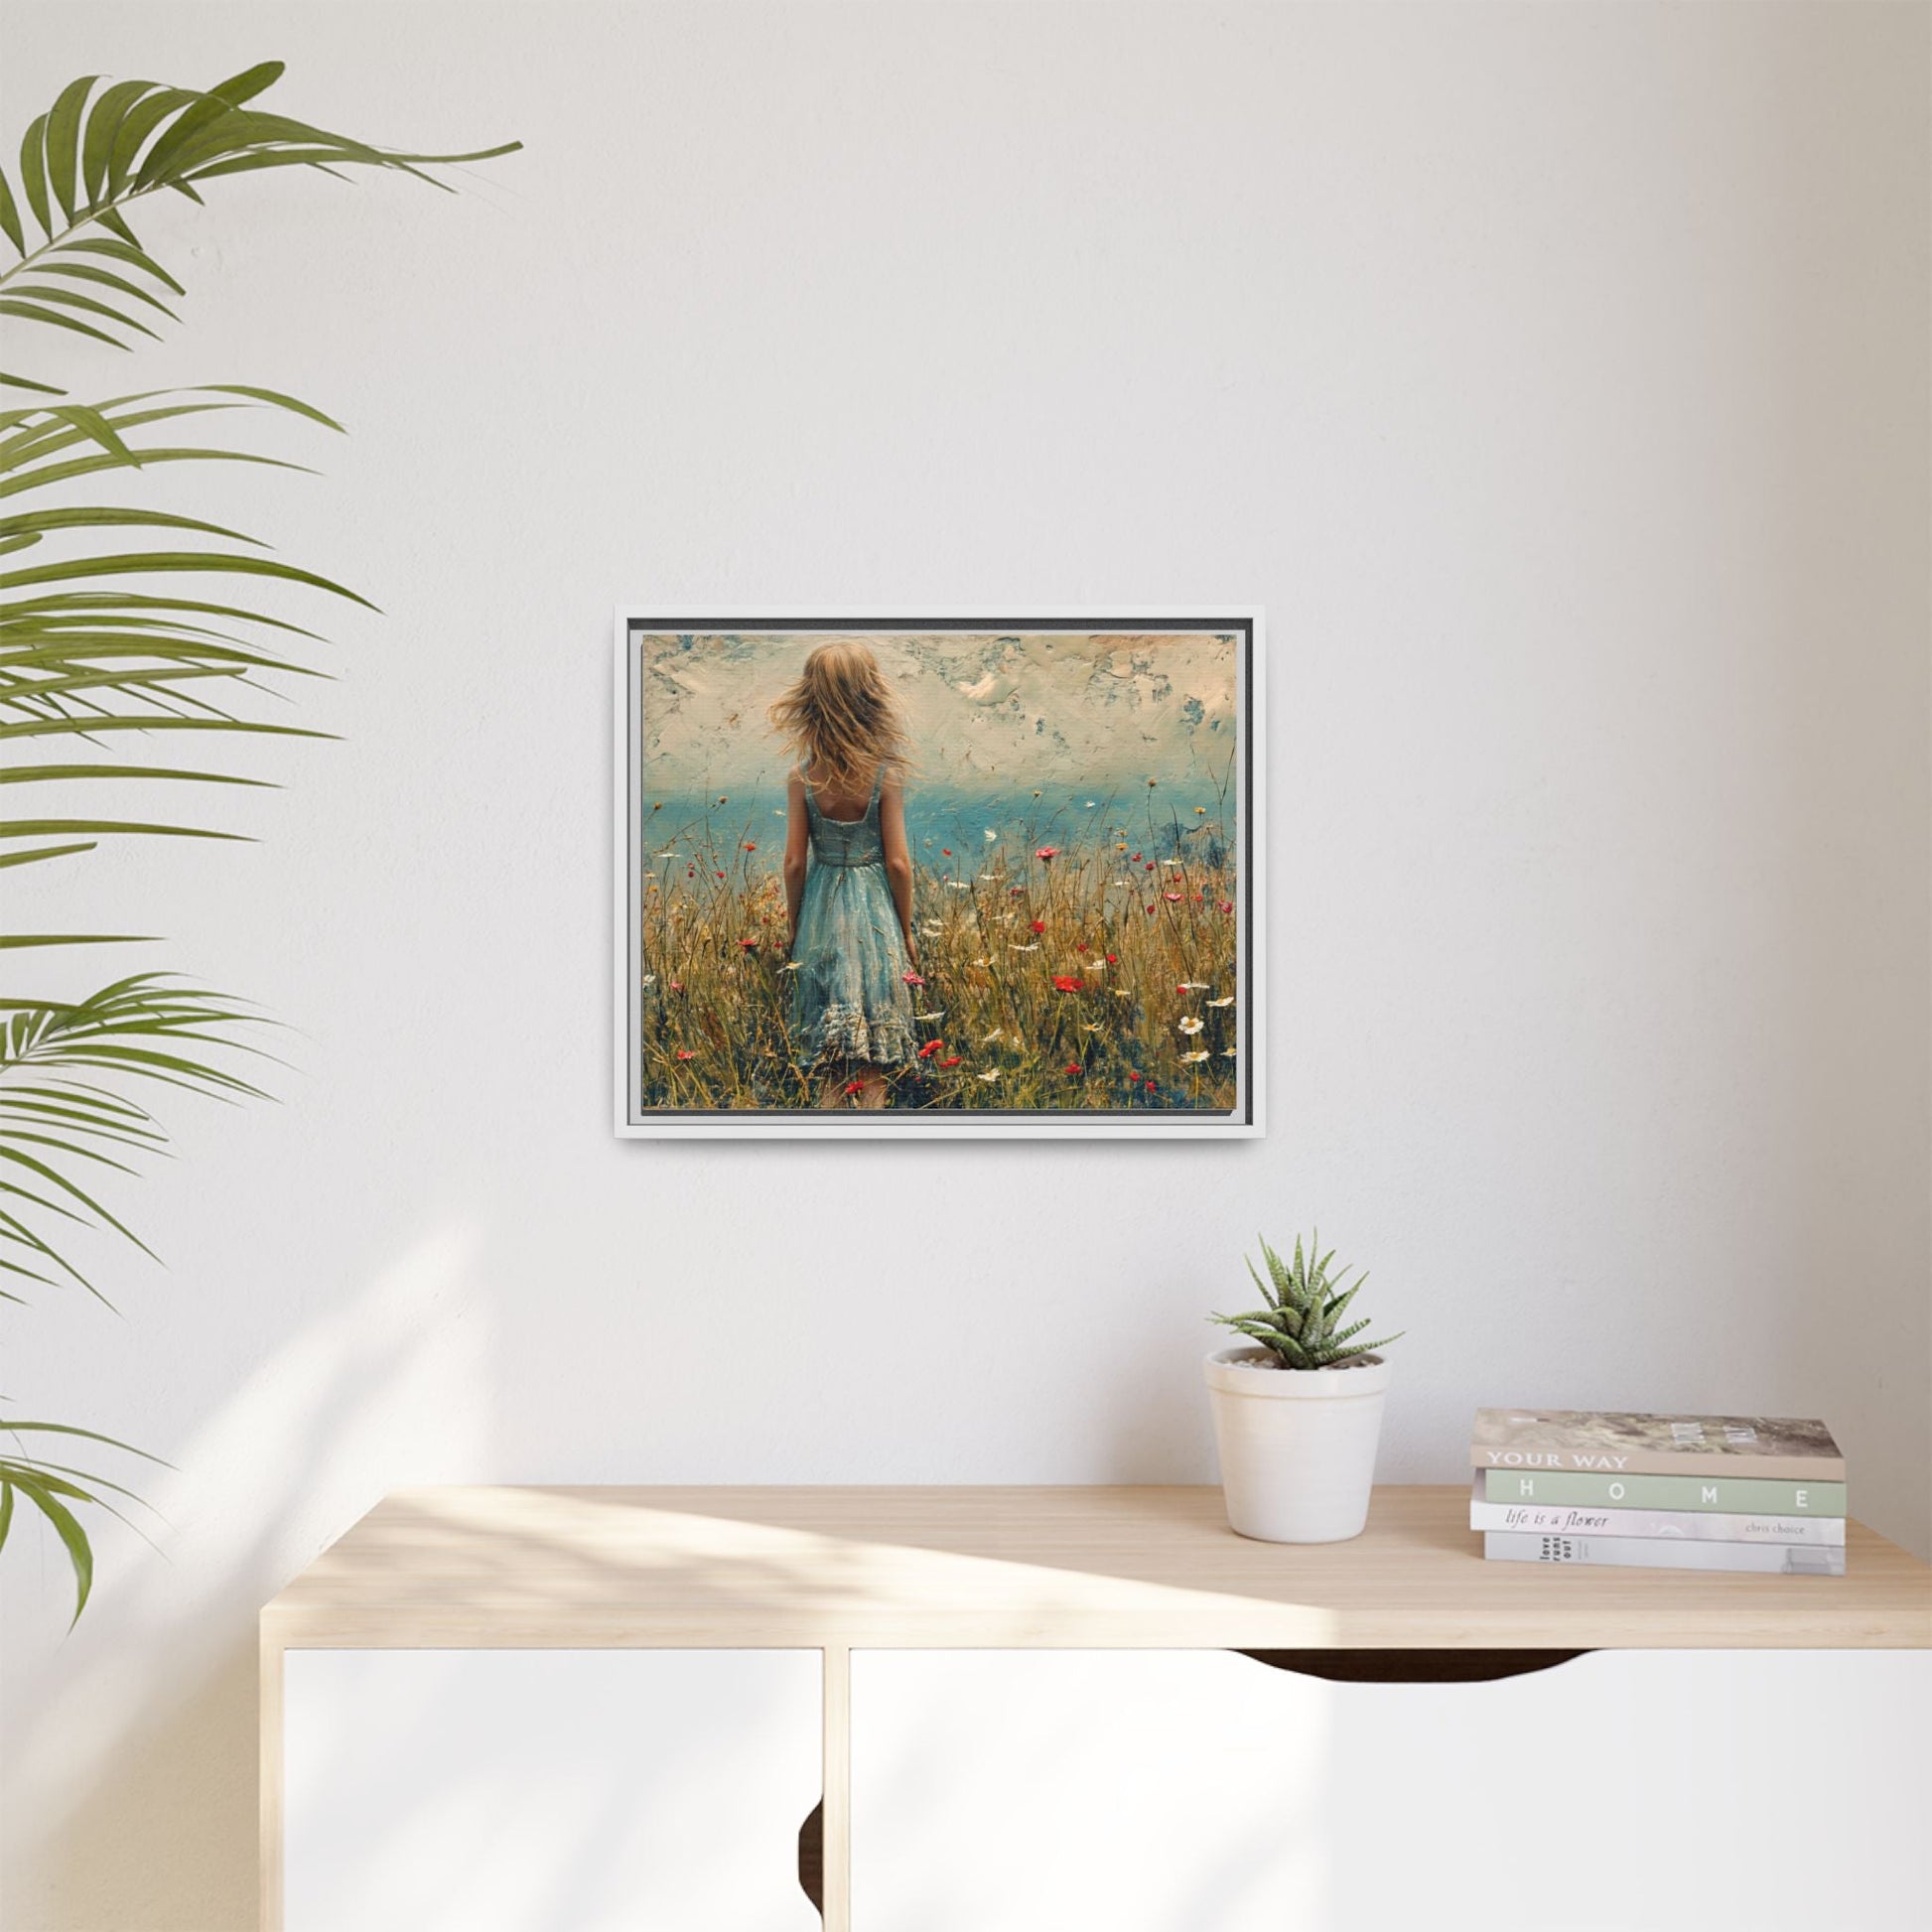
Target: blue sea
{"points": [[1163, 820]]}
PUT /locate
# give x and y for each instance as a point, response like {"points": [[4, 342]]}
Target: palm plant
{"points": [[1301, 1323], [101, 647]]}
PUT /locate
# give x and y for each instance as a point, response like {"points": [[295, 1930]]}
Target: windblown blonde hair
{"points": [[842, 719]]}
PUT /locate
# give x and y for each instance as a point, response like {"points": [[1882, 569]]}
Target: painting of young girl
{"points": [[848, 876], [942, 877]]}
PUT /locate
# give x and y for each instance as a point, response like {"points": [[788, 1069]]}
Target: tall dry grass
{"points": [[1089, 972]]}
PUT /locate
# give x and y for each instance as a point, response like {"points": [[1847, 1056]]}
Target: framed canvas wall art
{"points": [[942, 874]]}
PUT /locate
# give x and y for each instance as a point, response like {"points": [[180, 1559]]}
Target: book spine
{"points": [[1687, 1525], [1732, 1496], [1659, 1462], [1647, 1553]]}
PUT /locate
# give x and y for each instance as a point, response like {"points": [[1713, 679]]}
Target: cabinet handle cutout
{"points": [[812, 1856], [1412, 1666]]}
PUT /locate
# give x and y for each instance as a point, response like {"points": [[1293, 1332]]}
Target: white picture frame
{"points": [[634, 1120]]}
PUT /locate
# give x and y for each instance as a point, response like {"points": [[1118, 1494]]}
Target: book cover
{"points": [[1648, 1552], [1632, 1445], [1680, 1525], [1735, 1495]]}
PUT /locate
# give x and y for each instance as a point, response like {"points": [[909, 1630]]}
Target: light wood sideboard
{"points": [[553, 1710]]}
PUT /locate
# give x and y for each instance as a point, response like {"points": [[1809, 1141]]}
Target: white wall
{"points": [[1553, 375]]}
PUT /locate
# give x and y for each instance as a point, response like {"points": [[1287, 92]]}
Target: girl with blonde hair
{"points": [[848, 874]]}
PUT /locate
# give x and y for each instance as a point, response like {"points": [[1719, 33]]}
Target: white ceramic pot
{"points": [[1297, 1446]]}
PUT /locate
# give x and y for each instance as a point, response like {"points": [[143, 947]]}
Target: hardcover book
{"points": [[1667, 1524], [1632, 1445], [1736, 1495], [1646, 1553]]}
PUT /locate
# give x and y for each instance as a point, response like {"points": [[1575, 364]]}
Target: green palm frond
{"points": [[124, 629], [61, 1115], [1302, 1325], [53, 1488], [93, 155], [83, 655]]}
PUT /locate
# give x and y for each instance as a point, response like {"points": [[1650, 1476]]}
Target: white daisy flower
{"points": [[1192, 1059], [1175, 863], [790, 966], [991, 1073], [989, 835], [1193, 986], [1190, 1024], [1228, 1052], [982, 962], [1228, 1002], [1015, 946], [651, 978], [932, 928], [929, 1016], [960, 885]]}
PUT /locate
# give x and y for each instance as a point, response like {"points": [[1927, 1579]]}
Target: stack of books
{"points": [[1660, 1493]]}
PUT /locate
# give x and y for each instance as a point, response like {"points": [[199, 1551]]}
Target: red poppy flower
{"points": [[686, 1053], [750, 945], [945, 852], [912, 979], [721, 874], [1113, 959], [690, 871], [930, 1047], [1016, 890], [1172, 899], [853, 1086], [751, 844], [1073, 1071], [1137, 858], [1079, 945], [1062, 983], [1227, 906], [1039, 926], [677, 986], [1047, 854], [1148, 867], [1149, 910], [953, 1061]]}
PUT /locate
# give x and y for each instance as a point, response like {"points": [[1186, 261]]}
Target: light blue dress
{"points": [[849, 1000]]}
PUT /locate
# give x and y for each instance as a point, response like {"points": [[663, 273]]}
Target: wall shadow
{"points": [[132, 1747]]}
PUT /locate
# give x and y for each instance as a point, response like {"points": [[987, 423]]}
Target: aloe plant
{"points": [[1302, 1323], [101, 649]]}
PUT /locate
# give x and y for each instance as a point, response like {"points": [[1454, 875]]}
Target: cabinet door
{"points": [[548, 1790], [1203, 1791]]}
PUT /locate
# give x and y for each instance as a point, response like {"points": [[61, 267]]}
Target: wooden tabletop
{"points": [[907, 1567]]}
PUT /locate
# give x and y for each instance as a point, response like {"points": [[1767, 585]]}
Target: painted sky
{"points": [[988, 709]]}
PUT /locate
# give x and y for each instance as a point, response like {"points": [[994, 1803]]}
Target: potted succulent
{"points": [[1297, 1413]]}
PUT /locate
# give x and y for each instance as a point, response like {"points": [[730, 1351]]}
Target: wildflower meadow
{"points": [[1063, 964]]}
